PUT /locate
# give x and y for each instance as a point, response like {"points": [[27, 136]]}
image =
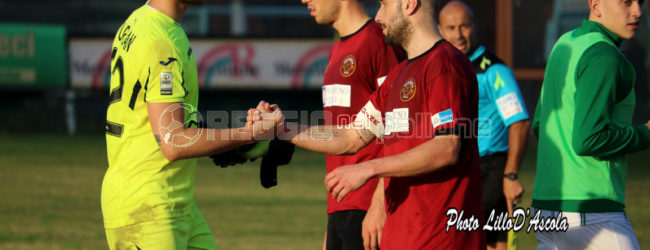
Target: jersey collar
{"points": [[590, 26], [161, 15], [477, 53], [426, 52], [343, 38]]}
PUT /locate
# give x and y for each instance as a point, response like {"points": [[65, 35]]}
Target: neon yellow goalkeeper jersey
{"points": [[152, 62]]}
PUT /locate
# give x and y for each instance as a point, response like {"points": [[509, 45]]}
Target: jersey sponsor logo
{"points": [[397, 121], [348, 66], [509, 105], [442, 117], [408, 90], [337, 95], [166, 83], [169, 60]]}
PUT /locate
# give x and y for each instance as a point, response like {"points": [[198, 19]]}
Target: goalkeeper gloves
{"points": [[274, 153]]}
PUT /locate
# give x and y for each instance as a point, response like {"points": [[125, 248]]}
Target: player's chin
{"points": [[193, 2]]}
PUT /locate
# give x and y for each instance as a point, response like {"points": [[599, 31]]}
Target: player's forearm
{"points": [[517, 142], [378, 195], [433, 155], [377, 205], [202, 142], [322, 139]]}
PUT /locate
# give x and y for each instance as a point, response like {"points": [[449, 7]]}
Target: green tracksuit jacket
{"points": [[583, 122]]}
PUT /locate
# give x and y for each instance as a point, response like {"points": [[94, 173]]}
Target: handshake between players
{"points": [[323, 139]]}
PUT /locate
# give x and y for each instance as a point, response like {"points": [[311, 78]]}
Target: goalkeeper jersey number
{"points": [[151, 62]]}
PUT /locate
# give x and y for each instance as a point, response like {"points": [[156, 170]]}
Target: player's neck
{"points": [[170, 8], [351, 18], [421, 40]]}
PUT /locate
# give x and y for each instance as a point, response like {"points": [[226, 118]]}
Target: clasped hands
{"points": [[265, 120]]}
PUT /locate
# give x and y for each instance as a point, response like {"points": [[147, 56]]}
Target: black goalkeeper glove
{"points": [[280, 153], [241, 154], [274, 153]]}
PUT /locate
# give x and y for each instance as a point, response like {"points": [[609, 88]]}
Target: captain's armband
{"points": [[369, 121]]}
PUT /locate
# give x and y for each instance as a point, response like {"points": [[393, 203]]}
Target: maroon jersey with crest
{"points": [[358, 65], [433, 94]]}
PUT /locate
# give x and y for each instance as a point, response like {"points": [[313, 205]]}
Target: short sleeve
{"points": [[370, 116], [378, 98], [505, 94], [384, 60], [165, 81], [452, 102]]}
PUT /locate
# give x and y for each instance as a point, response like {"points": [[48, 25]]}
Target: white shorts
{"points": [[590, 231]]}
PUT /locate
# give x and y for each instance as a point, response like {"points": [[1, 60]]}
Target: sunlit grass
{"points": [[50, 197]]}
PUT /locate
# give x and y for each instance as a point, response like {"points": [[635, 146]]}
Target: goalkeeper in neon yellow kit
{"points": [[152, 136]]}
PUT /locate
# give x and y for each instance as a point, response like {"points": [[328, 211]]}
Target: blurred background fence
{"points": [[54, 61]]}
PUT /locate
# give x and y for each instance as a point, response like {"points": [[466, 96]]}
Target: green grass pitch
{"points": [[50, 197]]}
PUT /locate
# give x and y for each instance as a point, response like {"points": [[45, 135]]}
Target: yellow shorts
{"points": [[188, 232]]}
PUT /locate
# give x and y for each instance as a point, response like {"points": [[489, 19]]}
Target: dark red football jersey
{"points": [[358, 65], [432, 94]]}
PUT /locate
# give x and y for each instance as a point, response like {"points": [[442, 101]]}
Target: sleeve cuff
{"points": [[518, 118], [166, 100]]}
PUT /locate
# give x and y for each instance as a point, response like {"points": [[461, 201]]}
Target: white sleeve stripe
{"points": [[380, 81], [369, 118]]}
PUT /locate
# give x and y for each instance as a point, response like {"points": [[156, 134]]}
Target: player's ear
{"points": [[410, 6], [594, 8]]}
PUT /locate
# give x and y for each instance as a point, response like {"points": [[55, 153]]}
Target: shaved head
{"points": [[456, 7], [456, 24]]}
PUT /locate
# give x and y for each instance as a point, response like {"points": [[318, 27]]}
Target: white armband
{"points": [[369, 118]]}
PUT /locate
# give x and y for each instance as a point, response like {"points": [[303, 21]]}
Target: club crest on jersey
{"points": [[408, 90], [348, 66]]}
